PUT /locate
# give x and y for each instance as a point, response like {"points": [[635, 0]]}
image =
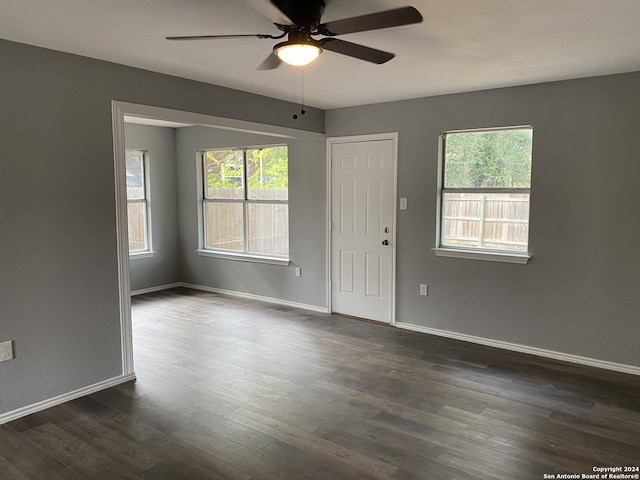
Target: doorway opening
{"points": [[122, 113]]}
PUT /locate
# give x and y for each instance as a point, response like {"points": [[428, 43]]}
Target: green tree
{"points": [[223, 168], [267, 168], [499, 158]]}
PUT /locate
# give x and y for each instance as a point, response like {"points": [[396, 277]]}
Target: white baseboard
{"points": [[155, 289], [251, 296], [540, 352], [65, 397]]}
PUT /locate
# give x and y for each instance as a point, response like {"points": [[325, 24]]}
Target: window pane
{"points": [[137, 219], [268, 228], [223, 223], [223, 174], [492, 221], [488, 159], [268, 173], [135, 175]]}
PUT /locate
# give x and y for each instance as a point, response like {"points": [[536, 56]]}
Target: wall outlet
{"points": [[424, 289], [6, 351], [298, 271]]}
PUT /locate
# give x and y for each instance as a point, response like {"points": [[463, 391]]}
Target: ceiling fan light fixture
{"points": [[298, 53]]}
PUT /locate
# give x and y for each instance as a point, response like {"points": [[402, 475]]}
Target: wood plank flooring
{"points": [[240, 390]]}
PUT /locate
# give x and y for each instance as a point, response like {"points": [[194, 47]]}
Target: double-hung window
{"points": [[245, 208], [484, 194], [137, 202]]}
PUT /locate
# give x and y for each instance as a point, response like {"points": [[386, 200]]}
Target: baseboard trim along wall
{"points": [[65, 397], [540, 352], [231, 293], [251, 296], [156, 289]]}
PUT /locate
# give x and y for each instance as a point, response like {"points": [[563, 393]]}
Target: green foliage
{"points": [[267, 168], [490, 159], [274, 174], [223, 168]]}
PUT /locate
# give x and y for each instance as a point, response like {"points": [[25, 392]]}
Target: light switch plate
{"points": [[403, 203]]}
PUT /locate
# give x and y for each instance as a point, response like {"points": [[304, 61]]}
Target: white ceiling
{"points": [[462, 45]]}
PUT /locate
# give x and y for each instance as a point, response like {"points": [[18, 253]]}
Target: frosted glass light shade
{"points": [[298, 54]]}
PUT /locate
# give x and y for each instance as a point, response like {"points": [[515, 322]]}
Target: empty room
{"points": [[319, 240]]}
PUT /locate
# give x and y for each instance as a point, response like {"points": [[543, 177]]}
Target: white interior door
{"points": [[362, 207]]}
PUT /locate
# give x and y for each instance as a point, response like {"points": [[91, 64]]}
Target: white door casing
{"points": [[362, 226]]}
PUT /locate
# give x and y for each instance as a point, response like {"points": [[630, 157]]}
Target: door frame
{"points": [[120, 109], [331, 141]]}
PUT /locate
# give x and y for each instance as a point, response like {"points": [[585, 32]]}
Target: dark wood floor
{"points": [[232, 389]]}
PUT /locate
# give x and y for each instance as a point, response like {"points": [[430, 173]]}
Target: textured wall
{"points": [[580, 292]]}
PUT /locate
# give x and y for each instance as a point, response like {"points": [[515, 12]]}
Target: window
{"points": [[137, 208], [484, 194], [245, 207]]}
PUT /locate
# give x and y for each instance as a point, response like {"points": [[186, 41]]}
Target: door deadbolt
{"points": [[385, 242]]}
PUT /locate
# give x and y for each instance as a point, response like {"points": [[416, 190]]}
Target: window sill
{"points": [[137, 255], [520, 258], [242, 257]]}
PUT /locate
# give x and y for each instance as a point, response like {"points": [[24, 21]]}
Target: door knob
{"points": [[385, 242]]}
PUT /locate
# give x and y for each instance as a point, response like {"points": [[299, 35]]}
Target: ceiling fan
{"points": [[299, 21]]}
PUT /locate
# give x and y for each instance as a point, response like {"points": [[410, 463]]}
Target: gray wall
{"points": [[580, 294], [163, 268], [307, 242], [58, 263]]}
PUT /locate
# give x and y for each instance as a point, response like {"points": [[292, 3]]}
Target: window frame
{"points": [[148, 250], [246, 201], [474, 253]]}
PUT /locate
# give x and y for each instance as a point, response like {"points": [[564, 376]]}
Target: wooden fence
{"points": [[137, 219], [498, 221], [267, 223]]}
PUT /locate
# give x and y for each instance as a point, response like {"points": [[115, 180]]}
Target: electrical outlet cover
{"points": [[6, 351]]}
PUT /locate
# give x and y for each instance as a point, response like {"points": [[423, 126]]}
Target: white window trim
{"points": [[147, 252], [520, 258], [141, 254], [471, 253], [245, 256]]}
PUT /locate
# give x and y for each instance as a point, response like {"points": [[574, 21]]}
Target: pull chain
{"points": [[302, 109]]}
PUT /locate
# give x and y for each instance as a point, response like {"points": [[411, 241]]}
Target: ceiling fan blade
{"points": [[269, 10], [374, 21], [213, 37], [270, 63], [355, 50]]}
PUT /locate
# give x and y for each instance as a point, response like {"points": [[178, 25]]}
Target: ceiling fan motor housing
{"points": [[302, 12]]}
